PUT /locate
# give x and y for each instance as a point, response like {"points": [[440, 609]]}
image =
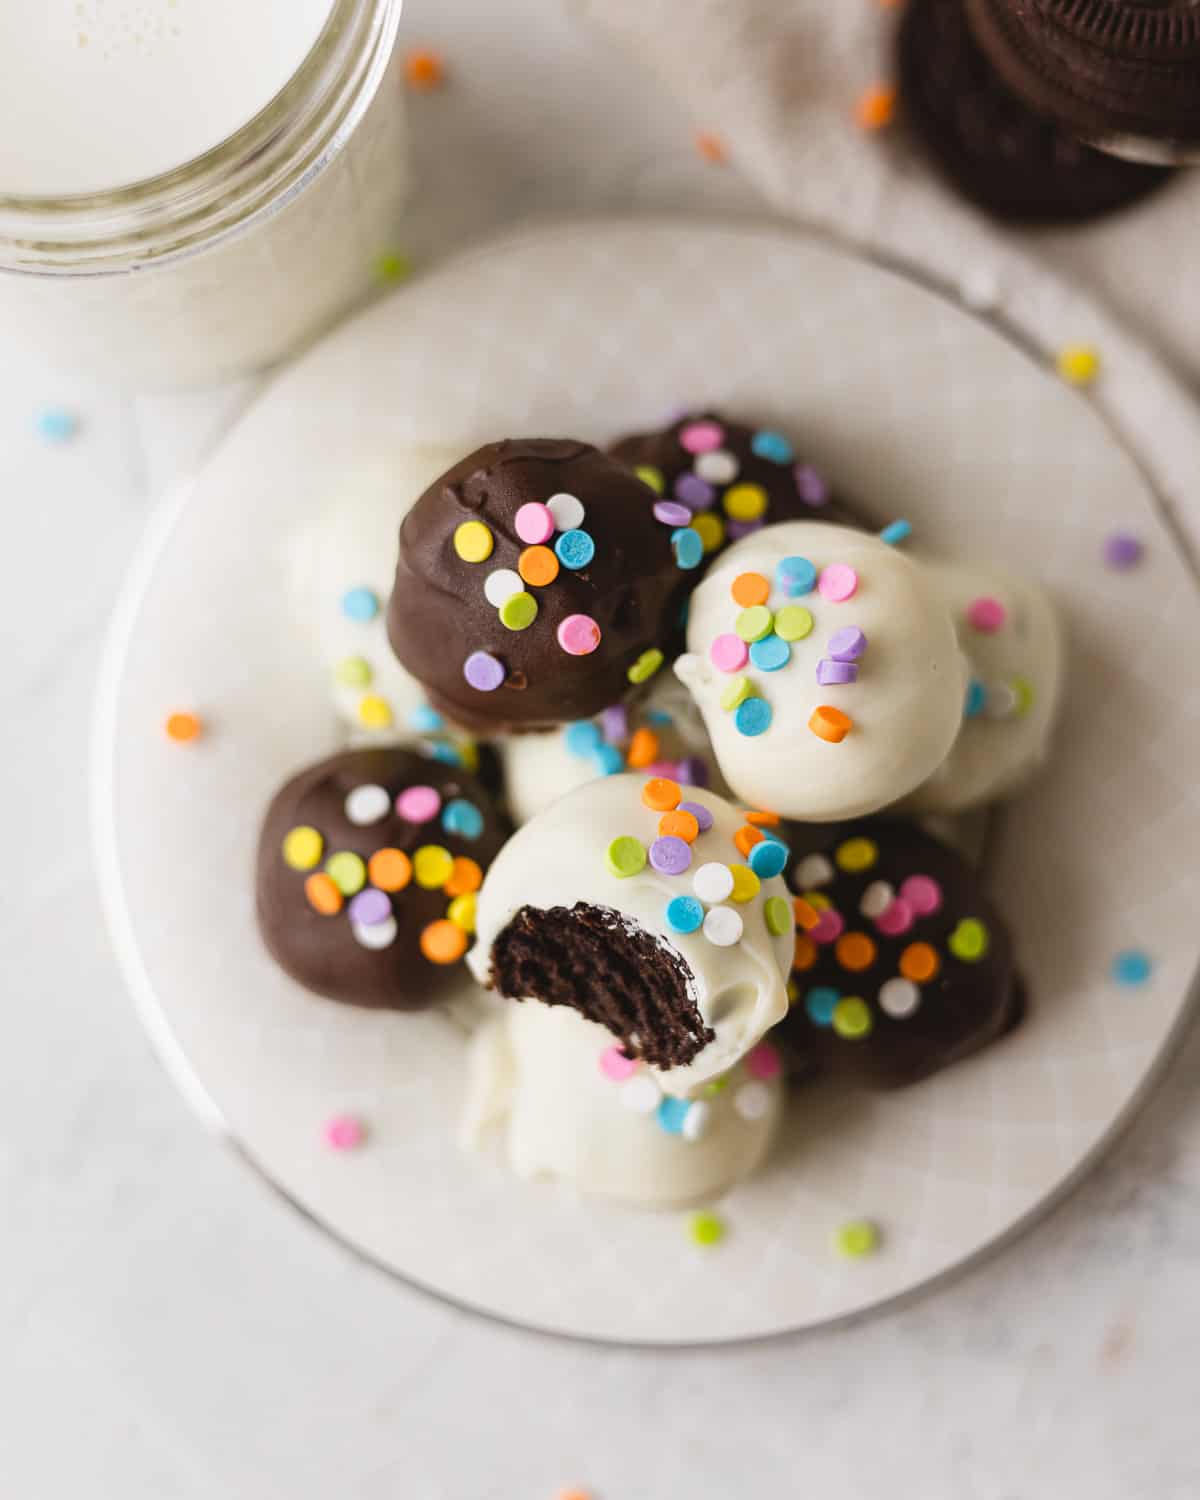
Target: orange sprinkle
{"points": [[465, 877], [806, 952], [749, 589], [443, 942], [829, 723], [538, 566], [876, 108], [574, 1495], [807, 915], [323, 895], [680, 825], [424, 69], [762, 819], [643, 749], [389, 869], [745, 838], [919, 962], [711, 147], [855, 951], [183, 727], [662, 794]]}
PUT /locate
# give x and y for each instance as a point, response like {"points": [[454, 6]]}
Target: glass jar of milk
{"points": [[192, 188]]}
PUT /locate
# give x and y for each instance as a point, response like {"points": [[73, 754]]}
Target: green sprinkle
{"points": [[779, 916], [718, 1085], [646, 665], [857, 1238], [1023, 692], [347, 872], [736, 692], [392, 266], [518, 611], [793, 622], [648, 474], [852, 1018], [706, 1229], [626, 856], [969, 941], [354, 671], [753, 623]]}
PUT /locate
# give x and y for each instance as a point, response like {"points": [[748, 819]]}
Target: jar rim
{"points": [[252, 173]]}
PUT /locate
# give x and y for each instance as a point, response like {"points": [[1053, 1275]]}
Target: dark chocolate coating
{"points": [[663, 451], [438, 614], [321, 952], [1008, 158], [965, 1006]]}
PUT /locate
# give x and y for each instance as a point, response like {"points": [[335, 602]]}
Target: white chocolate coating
{"points": [[1019, 669], [906, 705], [558, 859], [541, 768], [534, 1075]]}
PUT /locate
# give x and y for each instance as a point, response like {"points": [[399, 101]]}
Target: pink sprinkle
{"points": [[344, 1132], [615, 1065], [896, 919], [829, 927], [763, 1062], [701, 437], [729, 653], [838, 582], [579, 635], [418, 804], [663, 768], [986, 615], [922, 893], [534, 523]]}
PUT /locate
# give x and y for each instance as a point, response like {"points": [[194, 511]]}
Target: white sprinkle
{"points": [[567, 510], [980, 288], [723, 927], [718, 467], [899, 998], [501, 584], [752, 1100], [367, 804], [813, 870], [378, 935], [1001, 701], [640, 1094], [696, 1121], [713, 883], [876, 899]]}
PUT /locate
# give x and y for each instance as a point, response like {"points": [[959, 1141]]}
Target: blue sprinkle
{"points": [[426, 720], [462, 817], [684, 611], [768, 858], [445, 752], [796, 576], [575, 549], [658, 716], [1131, 967], [976, 698], [56, 425], [819, 1003], [752, 717], [360, 604], [772, 446], [583, 738], [771, 653], [897, 532], [684, 914], [671, 1114], [689, 549], [609, 760]]}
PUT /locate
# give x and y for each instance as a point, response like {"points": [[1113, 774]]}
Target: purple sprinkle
{"points": [[831, 672], [693, 771], [736, 529], [662, 768], [670, 855], [483, 671], [811, 486], [847, 644], [670, 513], [694, 491], [701, 814], [369, 908], [1122, 550], [614, 724]]}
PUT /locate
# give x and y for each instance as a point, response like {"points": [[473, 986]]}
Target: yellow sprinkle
{"points": [[374, 712], [856, 854], [302, 848], [745, 883], [745, 502], [432, 866], [710, 528], [648, 474], [1078, 364], [461, 912], [473, 541]]}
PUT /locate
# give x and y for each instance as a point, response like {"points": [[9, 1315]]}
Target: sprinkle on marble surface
{"points": [[876, 107], [424, 69], [1131, 967], [183, 727], [1122, 551], [344, 1132], [56, 424], [857, 1238], [392, 267], [711, 147], [706, 1229], [1078, 364]]}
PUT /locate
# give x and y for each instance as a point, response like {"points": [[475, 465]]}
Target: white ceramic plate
{"points": [[592, 330]]}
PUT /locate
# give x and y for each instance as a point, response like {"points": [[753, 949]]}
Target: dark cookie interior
{"points": [[365, 899], [599, 598], [1008, 158], [609, 969], [923, 976]]}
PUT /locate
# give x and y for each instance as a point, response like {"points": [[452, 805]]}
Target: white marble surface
{"points": [[169, 1328]]}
